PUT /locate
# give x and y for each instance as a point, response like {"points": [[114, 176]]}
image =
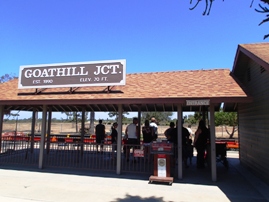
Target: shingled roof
{"points": [[156, 91], [258, 52]]}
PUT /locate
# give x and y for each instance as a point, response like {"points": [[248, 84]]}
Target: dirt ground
{"points": [[70, 128]]}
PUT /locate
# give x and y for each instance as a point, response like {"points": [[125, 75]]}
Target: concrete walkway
{"points": [[235, 184]]}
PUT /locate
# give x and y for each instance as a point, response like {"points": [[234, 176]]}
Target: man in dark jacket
{"points": [[100, 135], [185, 136]]}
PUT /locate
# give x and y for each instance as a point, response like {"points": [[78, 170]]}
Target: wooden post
{"points": [[139, 123], [179, 140], [33, 129], [43, 134], [82, 131], [213, 144], [49, 130], [118, 169], [91, 131]]}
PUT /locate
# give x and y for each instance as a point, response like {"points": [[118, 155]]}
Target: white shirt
{"points": [[131, 131], [154, 125], [190, 131]]}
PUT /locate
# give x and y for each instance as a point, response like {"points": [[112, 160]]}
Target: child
{"points": [[189, 150]]}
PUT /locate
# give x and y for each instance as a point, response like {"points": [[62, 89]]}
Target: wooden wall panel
{"points": [[254, 122]]}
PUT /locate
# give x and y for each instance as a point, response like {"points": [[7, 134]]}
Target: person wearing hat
{"points": [[155, 128]]}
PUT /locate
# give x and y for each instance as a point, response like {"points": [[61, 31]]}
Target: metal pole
{"points": [[43, 134], [179, 140], [212, 144], [118, 169]]}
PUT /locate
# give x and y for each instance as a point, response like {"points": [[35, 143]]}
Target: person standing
{"points": [[114, 135], [200, 141], [100, 132], [185, 136], [131, 133], [155, 128], [190, 131], [147, 132], [168, 132]]}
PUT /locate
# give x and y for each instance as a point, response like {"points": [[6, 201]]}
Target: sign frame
{"points": [[77, 73], [202, 102]]}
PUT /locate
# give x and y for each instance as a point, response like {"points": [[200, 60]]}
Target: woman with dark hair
{"points": [[114, 135], [200, 141], [148, 133]]}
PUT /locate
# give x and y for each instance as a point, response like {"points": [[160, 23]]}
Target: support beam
{"points": [[49, 130], [82, 131], [139, 123], [212, 144], [91, 122], [179, 140], [119, 129], [1, 124], [43, 134], [33, 130]]}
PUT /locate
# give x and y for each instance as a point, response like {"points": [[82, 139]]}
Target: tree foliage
{"points": [[6, 77], [159, 116], [262, 9], [112, 114], [227, 119], [75, 117], [193, 119]]}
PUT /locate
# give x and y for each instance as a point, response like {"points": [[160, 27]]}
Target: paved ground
{"points": [[235, 184]]}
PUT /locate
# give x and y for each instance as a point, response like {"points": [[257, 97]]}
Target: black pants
{"points": [[200, 156]]}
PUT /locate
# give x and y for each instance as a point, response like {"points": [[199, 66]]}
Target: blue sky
{"points": [[151, 35]]}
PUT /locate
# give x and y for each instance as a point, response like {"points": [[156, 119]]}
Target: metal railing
{"points": [[71, 153]]}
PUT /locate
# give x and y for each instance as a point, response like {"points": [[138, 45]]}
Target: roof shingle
{"points": [[177, 84]]}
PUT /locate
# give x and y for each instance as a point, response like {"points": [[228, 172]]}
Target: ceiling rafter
{"points": [[106, 107], [114, 107], [77, 109], [55, 108], [90, 107], [130, 109], [62, 108], [98, 107], [69, 108], [146, 107], [17, 107]]}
